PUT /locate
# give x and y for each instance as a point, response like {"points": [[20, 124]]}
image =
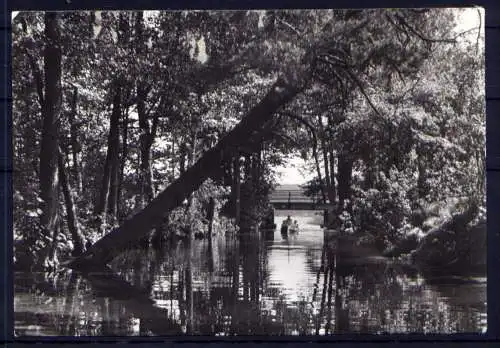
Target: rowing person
{"points": [[294, 227], [286, 224]]}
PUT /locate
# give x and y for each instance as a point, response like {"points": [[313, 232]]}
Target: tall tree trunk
{"points": [[109, 183], [247, 197], [141, 223], [116, 168], [146, 183], [344, 177], [247, 165], [330, 185], [114, 156], [109, 198], [237, 189], [324, 150], [123, 162], [235, 286], [189, 292], [74, 230], [114, 183], [146, 138], [254, 174], [318, 172], [326, 164], [75, 144], [172, 162], [51, 110], [332, 192], [479, 189], [260, 162], [191, 200], [210, 218]]}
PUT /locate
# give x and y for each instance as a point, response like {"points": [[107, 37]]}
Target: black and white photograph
{"points": [[249, 172]]}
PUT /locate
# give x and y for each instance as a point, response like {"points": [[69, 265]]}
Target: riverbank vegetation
{"points": [[145, 124]]}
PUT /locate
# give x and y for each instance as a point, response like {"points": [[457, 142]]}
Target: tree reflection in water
{"points": [[233, 288]]}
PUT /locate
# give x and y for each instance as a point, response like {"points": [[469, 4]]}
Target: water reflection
{"points": [[246, 285]]}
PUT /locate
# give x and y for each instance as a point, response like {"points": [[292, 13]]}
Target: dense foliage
{"points": [[386, 106]]}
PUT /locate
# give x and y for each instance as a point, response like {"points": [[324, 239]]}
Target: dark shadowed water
{"points": [[248, 285]]}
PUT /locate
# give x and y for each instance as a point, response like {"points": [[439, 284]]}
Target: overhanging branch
{"points": [[304, 122], [421, 36], [367, 97], [314, 149], [289, 26]]}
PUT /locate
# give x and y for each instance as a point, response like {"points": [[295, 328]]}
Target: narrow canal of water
{"points": [[248, 285]]}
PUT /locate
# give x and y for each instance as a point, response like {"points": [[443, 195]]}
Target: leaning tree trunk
{"points": [[51, 109], [74, 230], [208, 165]]}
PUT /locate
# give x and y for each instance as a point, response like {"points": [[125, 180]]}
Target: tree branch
{"points": [[284, 136], [361, 88], [154, 125], [420, 35], [288, 25], [479, 31], [305, 123], [314, 149]]}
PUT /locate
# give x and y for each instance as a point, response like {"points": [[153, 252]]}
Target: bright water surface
{"points": [[247, 286]]}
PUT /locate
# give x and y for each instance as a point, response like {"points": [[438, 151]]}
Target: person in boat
{"points": [[286, 224], [294, 227]]}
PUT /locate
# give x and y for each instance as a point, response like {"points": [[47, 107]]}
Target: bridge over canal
{"points": [[293, 197]]}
